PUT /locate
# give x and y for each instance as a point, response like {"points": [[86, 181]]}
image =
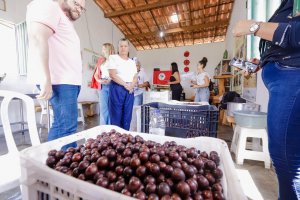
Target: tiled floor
{"points": [[258, 182]]}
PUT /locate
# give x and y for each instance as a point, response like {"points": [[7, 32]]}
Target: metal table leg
{"points": [[48, 115]]}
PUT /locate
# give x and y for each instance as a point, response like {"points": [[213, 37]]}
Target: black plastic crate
{"points": [[183, 121]]}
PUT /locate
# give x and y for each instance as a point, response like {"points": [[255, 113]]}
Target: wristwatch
{"points": [[254, 27]]}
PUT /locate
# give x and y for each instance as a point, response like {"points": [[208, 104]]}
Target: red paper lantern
{"points": [[186, 69], [186, 54], [186, 62]]}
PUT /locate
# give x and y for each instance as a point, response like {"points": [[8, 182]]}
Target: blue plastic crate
{"points": [[183, 121]]}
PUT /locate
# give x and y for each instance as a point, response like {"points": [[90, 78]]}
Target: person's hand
{"points": [[105, 82], [126, 86], [242, 28], [255, 60], [46, 91], [246, 74], [129, 87]]}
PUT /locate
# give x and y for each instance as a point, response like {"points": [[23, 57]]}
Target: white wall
{"points": [[163, 58], [93, 30]]}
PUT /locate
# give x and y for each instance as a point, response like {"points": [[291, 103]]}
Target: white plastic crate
{"points": [[135, 124], [38, 181], [154, 96]]}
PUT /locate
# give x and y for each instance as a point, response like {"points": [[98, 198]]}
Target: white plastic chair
{"points": [[10, 171]]}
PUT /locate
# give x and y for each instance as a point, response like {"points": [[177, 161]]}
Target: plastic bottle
{"points": [[157, 124], [225, 54]]}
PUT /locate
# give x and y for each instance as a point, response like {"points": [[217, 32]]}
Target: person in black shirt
{"points": [[174, 82], [280, 61]]}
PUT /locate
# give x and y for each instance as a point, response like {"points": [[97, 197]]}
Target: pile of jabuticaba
{"points": [[142, 169]]}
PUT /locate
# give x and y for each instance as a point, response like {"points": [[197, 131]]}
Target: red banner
{"points": [[161, 77]]}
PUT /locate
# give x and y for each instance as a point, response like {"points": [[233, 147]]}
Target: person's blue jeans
{"points": [[104, 104], [138, 100], [202, 94], [283, 84], [64, 105], [120, 106]]}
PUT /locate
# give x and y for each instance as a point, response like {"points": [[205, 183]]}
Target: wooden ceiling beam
{"points": [[147, 7], [218, 4], [179, 30]]}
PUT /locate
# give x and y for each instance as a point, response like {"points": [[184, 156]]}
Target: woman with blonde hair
{"points": [[102, 77]]}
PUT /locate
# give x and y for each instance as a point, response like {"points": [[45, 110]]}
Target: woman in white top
{"points": [[201, 82], [123, 74], [102, 76]]}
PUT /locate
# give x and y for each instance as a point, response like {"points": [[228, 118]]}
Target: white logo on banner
{"points": [[161, 76]]}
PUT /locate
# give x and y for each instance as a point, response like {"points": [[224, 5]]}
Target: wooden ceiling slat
{"points": [[126, 29], [140, 30], [218, 10], [181, 34], [156, 23], [200, 21], [222, 3], [190, 19], [141, 15], [144, 8], [171, 42], [178, 30]]}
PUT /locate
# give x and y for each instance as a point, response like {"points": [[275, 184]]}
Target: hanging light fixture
{"points": [[174, 18]]}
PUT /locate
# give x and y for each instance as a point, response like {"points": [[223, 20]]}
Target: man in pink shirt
{"points": [[54, 59]]}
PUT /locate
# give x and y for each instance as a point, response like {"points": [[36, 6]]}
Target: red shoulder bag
{"points": [[94, 83]]}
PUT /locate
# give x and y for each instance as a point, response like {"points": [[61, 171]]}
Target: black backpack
{"points": [[230, 97]]}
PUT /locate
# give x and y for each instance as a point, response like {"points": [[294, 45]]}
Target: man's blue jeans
{"points": [[64, 105], [104, 104], [283, 84], [138, 100]]}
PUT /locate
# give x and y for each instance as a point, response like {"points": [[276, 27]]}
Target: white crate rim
{"points": [[232, 190]]}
